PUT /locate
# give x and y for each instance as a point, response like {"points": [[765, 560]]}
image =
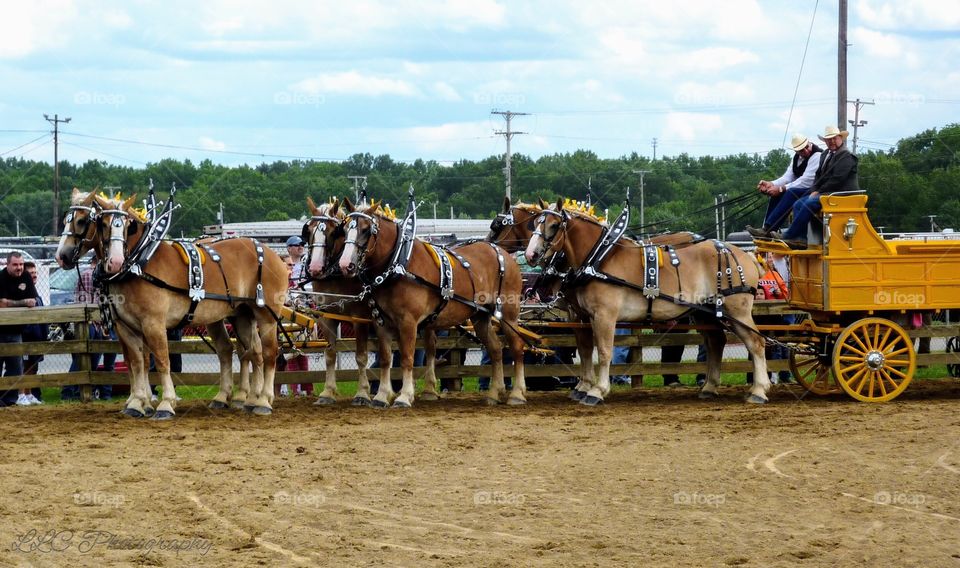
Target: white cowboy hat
{"points": [[831, 131], [799, 142]]}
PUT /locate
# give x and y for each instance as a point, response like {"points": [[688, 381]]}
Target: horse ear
{"points": [[129, 202], [311, 206], [348, 206], [542, 203], [559, 204], [87, 199], [506, 204], [334, 206]]}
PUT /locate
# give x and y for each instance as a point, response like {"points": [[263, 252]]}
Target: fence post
{"points": [[635, 357], [83, 364]]}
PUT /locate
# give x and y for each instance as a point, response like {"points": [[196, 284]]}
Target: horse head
{"points": [[320, 233], [549, 227], [360, 236], [513, 227], [79, 228], [117, 221]]}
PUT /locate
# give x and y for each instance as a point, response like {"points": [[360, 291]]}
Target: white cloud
{"points": [[208, 143], [691, 127], [446, 92], [908, 15], [31, 26], [877, 44], [355, 83]]}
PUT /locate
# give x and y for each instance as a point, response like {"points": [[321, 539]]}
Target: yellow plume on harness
{"points": [[183, 254]]}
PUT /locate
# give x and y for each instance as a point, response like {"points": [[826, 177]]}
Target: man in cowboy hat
{"points": [[794, 184], [837, 172]]}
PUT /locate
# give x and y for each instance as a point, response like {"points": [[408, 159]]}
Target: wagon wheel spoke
{"points": [[898, 372], [874, 359], [886, 377], [897, 352], [902, 362], [853, 349], [860, 343]]}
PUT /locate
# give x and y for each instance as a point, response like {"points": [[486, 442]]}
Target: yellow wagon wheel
{"points": [[874, 360], [813, 372]]}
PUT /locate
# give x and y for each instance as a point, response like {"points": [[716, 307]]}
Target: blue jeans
{"points": [[12, 366], [620, 356], [419, 358], [803, 211], [780, 206]]}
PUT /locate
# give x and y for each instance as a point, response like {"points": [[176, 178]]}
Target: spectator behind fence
{"points": [[291, 361], [32, 332], [16, 291], [85, 294]]}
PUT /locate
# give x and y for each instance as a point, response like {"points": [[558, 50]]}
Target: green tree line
{"points": [[918, 177]]}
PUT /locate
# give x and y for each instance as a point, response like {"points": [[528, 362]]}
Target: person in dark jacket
{"points": [[837, 172]]}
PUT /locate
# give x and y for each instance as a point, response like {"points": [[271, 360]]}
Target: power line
{"points": [[45, 135]]}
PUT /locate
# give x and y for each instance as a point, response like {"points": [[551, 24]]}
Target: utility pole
{"points": [[842, 66], [110, 188], [508, 134], [641, 172], [654, 149], [933, 226], [359, 182], [856, 122], [56, 120]]}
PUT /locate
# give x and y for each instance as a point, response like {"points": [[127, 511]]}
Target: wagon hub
{"points": [[875, 360]]}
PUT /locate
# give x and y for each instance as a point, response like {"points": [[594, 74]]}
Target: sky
{"points": [[248, 82]]}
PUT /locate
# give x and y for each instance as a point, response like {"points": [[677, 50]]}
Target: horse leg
{"points": [[155, 334], [362, 397], [484, 329], [757, 347], [385, 353], [430, 379], [221, 342], [139, 400], [264, 377], [247, 345], [604, 327], [518, 395], [714, 340], [329, 394], [584, 338], [407, 331]]}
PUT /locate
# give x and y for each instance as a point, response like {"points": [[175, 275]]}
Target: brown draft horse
{"points": [[414, 300], [319, 233], [143, 311], [694, 282]]}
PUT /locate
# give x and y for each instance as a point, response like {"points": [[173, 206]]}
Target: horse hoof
{"points": [[148, 411], [377, 403], [325, 401], [591, 400], [248, 407], [708, 395], [236, 404], [577, 395], [360, 401], [491, 401], [162, 415], [262, 410], [429, 396], [401, 404], [516, 401], [132, 413], [754, 399], [218, 405]]}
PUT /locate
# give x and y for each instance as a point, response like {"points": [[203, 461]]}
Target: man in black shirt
{"points": [[16, 291]]}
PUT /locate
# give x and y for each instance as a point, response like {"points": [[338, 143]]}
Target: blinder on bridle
{"points": [[307, 234], [81, 236], [351, 223]]}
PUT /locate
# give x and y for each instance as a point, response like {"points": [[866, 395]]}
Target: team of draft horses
{"points": [[402, 286]]}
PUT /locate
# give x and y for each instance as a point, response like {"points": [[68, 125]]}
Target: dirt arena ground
{"points": [[653, 478]]}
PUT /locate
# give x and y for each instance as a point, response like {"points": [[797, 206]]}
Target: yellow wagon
{"points": [[861, 290]]}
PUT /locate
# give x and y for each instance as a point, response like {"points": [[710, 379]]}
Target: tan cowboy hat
{"points": [[831, 131], [799, 142]]}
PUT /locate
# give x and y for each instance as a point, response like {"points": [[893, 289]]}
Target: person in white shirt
{"points": [[795, 183]]}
